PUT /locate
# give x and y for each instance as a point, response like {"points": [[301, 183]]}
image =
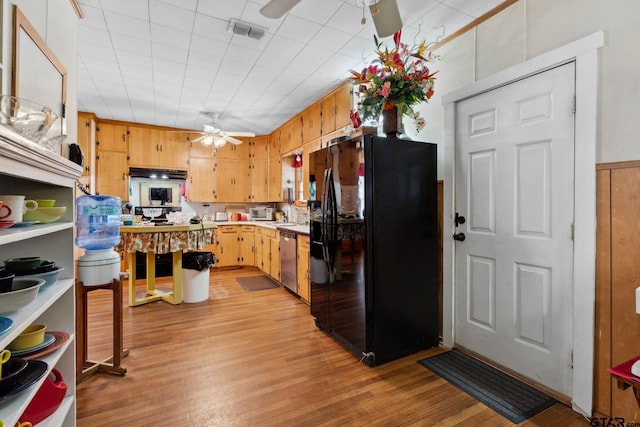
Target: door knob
{"points": [[459, 237], [459, 219]]}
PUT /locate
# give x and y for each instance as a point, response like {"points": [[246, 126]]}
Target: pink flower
{"points": [[385, 90]]}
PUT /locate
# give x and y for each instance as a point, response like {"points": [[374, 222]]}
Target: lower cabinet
{"points": [[246, 239], [303, 267], [228, 249]]}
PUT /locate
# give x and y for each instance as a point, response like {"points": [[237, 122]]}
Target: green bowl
{"points": [[45, 215], [22, 264]]}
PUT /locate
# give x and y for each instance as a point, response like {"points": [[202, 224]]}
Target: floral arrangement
{"points": [[397, 77]]}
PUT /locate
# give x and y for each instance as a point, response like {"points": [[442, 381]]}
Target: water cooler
{"points": [[98, 232]]}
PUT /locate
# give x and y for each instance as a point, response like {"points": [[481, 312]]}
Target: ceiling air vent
{"points": [[246, 29]]}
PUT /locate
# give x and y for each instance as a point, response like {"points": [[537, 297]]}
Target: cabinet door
{"points": [[247, 245], [274, 243], [86, 128], [112, 177], [343, 104], [231, 151], [243, 186], [145, 146], [327, 114], [260, 148], [201, 186], [311, 122], [275, 179], [260, 181], [291, 135], [228, 251], [112, 137], [259, 247], [274, 143], [174, 152], [224, 181], [303, 267]]}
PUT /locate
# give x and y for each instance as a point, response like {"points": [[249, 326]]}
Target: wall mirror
{"points": [[37, 74]]}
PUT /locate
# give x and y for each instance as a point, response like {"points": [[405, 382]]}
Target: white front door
{"points": [[514, 186]]}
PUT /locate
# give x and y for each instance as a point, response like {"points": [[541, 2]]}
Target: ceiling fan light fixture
{"points": [[207, 140], [386, 17], [219, 141]]}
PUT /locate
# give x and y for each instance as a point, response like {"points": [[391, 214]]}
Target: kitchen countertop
{"points": [[296, 228], [164, 228]]}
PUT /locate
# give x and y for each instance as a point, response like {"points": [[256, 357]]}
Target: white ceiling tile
{"points": [[170, 36], [317, 11], [168, 67], [223, 9], [329, 38], [136, 8], [93, 18], [185, 4], [130, 58], [125, 43], [170, 53], [347, 19], [298, 29], [126, 25], [171, 16], [284, 47]]}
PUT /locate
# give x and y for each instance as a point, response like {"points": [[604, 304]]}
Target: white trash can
{"points": [[195, 285]]}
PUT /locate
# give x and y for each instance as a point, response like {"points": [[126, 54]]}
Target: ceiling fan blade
{"points": [[276, 8], [232, 139], [200, 138]]}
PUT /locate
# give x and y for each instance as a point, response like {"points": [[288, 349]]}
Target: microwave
{"points": [[261, 213]]}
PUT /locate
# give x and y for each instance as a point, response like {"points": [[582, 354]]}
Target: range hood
{"points": [[157, 173]]}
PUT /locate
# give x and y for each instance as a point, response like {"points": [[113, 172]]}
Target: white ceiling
{"points": [[164, 62]]}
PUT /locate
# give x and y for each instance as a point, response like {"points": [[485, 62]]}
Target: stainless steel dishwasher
{"points": [[288, 258]]}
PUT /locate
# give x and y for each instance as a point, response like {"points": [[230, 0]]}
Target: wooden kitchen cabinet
{"points": [[260, 181], [303, 267], [232, 181], [335, 109], [112, 137], [307, 170], [157, 148], [275, 179], [201, 180], [228, 248], [197, 149], [112, 174], [246, 239], [291, 135], [269, 247], [311, 123], [231, 151], [86, 142], [174, 153], [259, 248]]}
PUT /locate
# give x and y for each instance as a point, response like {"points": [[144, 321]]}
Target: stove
{"points": [[140, 210]]}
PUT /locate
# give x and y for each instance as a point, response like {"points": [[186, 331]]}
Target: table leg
{"points": [[151, 273]]}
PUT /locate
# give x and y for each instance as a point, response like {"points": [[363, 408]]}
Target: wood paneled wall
{"points": [[617, 276]]}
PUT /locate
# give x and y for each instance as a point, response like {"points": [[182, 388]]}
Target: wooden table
{"points": [[624, 378], [164, 239]]}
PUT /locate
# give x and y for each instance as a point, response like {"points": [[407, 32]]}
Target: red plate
{"points": [[61, 338], [6, 224]]}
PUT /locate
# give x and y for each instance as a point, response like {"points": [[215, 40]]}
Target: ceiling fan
{"points": [[217, 137], [385, 13]]}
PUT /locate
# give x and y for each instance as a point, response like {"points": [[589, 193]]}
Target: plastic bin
{"points": [[195, 276]]}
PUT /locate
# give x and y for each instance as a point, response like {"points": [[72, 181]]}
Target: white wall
{"points": [[529, 28], [56, 22]]}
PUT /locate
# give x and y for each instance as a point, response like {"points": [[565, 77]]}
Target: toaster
{"points": [[222, 216]]}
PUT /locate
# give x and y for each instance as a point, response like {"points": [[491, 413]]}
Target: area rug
{"points": [[509, 397], [256, 283]]}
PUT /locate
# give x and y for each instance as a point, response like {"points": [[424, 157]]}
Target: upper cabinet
{"points": [[291, 135], [158, 148], [231, 151], [335, 109], [112, 137], [311, 123]]}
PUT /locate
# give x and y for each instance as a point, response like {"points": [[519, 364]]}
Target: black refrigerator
{"points": [[374, 246]]}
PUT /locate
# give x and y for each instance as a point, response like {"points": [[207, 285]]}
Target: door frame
{"points": [[584, 52]]}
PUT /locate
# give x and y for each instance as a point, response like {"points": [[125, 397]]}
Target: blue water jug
{"points": [[97, 222]]}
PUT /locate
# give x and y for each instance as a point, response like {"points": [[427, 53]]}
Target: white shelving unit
{"points": [[29, 169]]}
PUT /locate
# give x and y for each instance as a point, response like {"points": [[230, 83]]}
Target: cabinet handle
{"points": [[123, 176], [124, 137]]}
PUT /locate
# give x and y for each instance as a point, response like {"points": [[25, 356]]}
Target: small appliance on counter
{"points": [[222, 216], [261, 213], [156, 214]]}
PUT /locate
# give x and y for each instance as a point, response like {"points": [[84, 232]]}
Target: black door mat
{"points": [[256, 283], [504, 394]]}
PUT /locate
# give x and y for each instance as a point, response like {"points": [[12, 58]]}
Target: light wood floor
{"points": [[257, 359]]}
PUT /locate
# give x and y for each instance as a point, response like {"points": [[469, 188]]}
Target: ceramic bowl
{"points": [[22, 264], [45, 215], [45, 203], [30, 337], [50, 276], [22, 292], [28, 118], [6, 279], [11, 372]]}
